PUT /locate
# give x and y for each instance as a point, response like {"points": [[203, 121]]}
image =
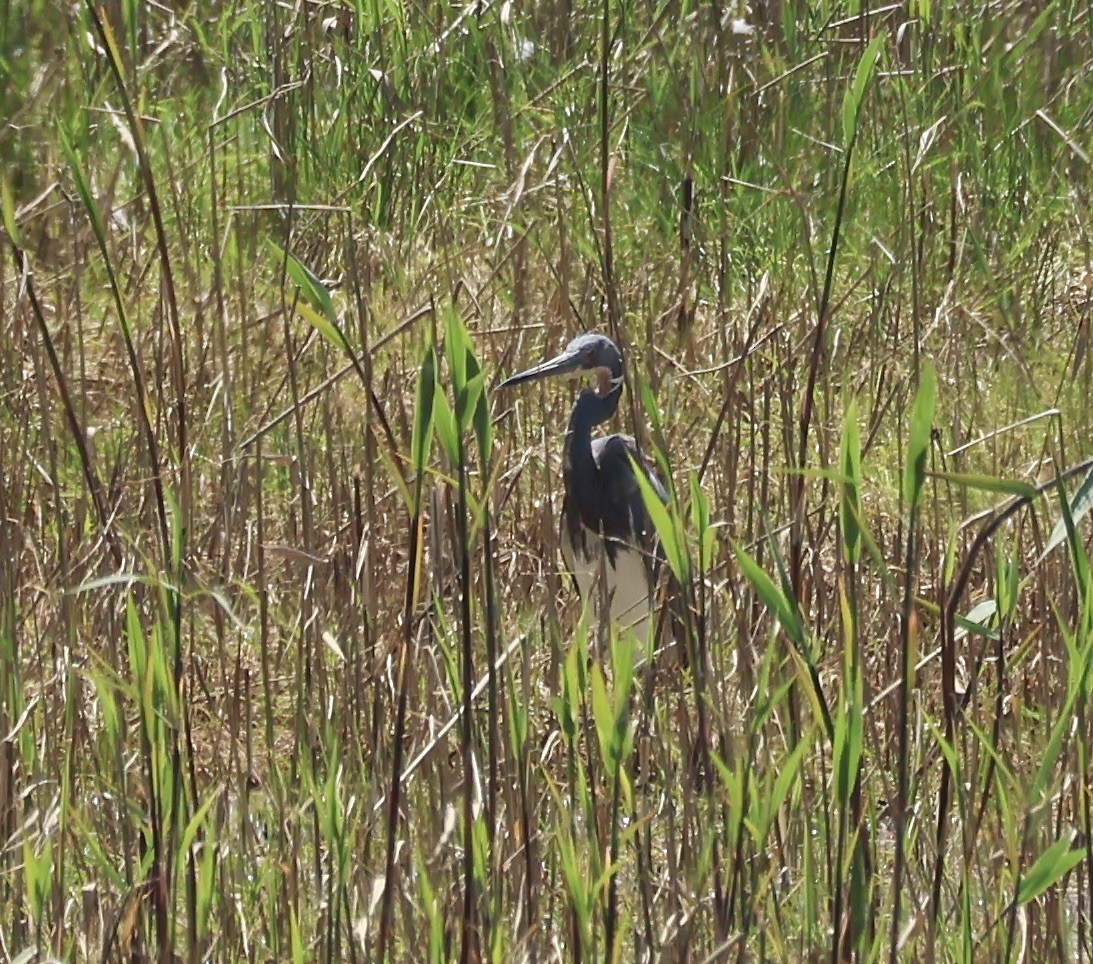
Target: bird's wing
{"points": [[623, 510], [620, 493]]}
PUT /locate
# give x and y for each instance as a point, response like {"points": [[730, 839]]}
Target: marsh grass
{"points": [[289, 671]]}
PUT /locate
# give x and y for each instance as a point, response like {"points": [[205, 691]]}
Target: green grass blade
{"points": [[918, 442], [987, 483], [1079, 509], [664, 524], [421, 437], [850, 503], [778, 604], [1050, 867], [309, 284], [853, 98]]}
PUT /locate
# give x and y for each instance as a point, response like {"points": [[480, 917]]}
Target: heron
{"points": [[604, 525]]}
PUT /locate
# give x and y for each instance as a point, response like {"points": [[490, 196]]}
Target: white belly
{"points": [[627, 583]]}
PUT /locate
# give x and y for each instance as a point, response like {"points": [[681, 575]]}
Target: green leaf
{"points": [[108, 707], [196, 821], [447, 432], [663, 523], [652, 412], [134, 635], [313, 290], [700, 519], [967, 933], [949, 752], [975, 620], [918, 442], [622, 672], [330, 332], [82, 189], [421, 437], [1079, 508], [772, 597], [432, 909], [1079, 562], [700, 506], [457, 347], [318, 307], [91, 841], [7, 207], [37, 870], [574, 879], [1058, 732], [987, 483], [1030, 34], [871, 547], [299, 953], [467, 400], [987, 747], [649, 403], [1053, 864], [948, 559], [1007, 584], [517, 722], [783, 783], [205, 879], [178, 543], [847, 749], [853, 98], [602, 713], [850, 503], [567, 706], [483, 426]]}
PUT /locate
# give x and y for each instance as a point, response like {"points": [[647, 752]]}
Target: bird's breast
{"points": [[627, 575]]}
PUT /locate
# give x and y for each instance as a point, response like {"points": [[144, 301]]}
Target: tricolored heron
{"points": [[603, 507]]}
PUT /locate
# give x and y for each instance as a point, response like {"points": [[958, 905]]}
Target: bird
{"points": [[605, 526]]}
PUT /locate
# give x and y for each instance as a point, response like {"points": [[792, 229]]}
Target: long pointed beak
{"points": [[564, 364]]}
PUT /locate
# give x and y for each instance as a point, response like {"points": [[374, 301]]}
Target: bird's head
{"points": [[593, 353]]}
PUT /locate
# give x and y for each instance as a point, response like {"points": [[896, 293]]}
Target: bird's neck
{"points": [[591, 409], [580, 469]]}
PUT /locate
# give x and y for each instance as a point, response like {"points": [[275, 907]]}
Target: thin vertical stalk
{"points": [[420, 444], [402, 685], [799, 487], [899, 817], [614, 312], [493, 697], [470, 938], [79, 436]]}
